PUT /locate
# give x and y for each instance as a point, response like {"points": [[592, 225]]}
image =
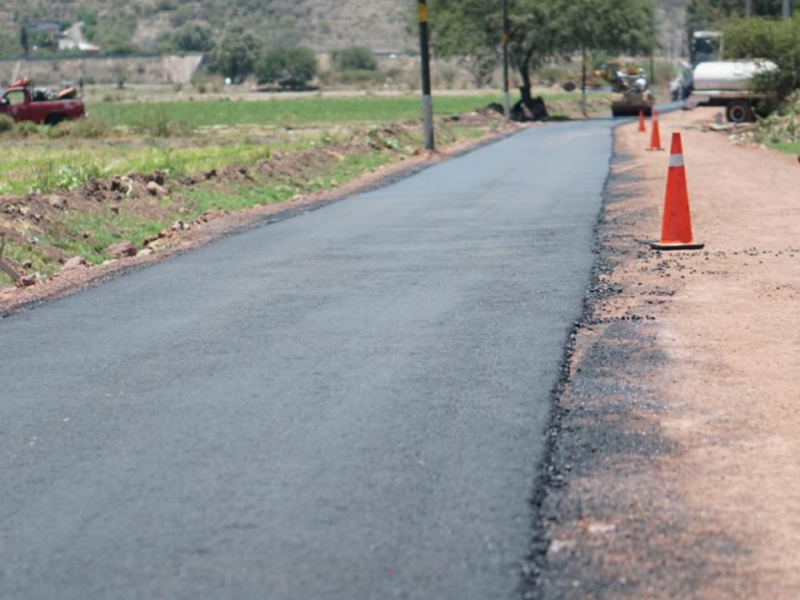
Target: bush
{"points": [[6, 124], [775, 40], [157, 124], [90, 128], [194, 38], [354, 58], [237, 55], [49, 178], [26, 129], [290, 67]]}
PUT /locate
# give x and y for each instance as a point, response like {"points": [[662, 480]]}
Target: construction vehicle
{"points": [[724, 83], [706, 46], [631, 82], [728, 84], [22, 102]]}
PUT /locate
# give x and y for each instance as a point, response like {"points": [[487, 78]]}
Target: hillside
{"points": [[322, 24]]}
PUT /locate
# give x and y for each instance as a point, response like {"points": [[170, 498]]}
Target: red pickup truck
{"points": [[22, 103]]}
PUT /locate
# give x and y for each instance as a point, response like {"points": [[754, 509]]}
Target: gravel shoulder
{"points": [[674, 469]]}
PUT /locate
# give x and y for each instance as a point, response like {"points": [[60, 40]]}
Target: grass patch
{"points": [[45, 167], [293, 112], [786, 147], [200, 200], [89, 234]]}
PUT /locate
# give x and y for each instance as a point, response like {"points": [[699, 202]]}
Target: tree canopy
{"points": [[541, 29], [772, 39], [354, 58], [293, 67], [237, 55], [711, 14]]}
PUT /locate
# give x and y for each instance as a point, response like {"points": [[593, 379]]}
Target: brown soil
{"points": [[34, 214], [694, 488]]}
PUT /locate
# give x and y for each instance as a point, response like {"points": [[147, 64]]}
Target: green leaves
{"points": [[542, 29], [775, 40]]}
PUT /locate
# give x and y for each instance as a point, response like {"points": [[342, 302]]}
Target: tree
{"points": [[23, 40], [712, 14], [237, 55], [771, 39], [613, 26], [194, 38], [292, 67], [471, 28], [354, 58], [540, 30]]}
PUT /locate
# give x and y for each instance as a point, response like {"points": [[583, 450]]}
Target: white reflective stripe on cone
{"points": [[675, 160]]}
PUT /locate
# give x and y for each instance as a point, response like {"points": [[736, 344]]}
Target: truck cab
{"points": [[22, 104]]}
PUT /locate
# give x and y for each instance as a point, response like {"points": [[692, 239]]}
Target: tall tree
{"points": [[613, 26], [24, 40], [712, 14], [541, 29], [472, 28]]}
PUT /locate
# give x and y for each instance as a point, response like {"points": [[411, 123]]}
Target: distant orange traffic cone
{"points": [[642, 128], [676, 231], [655, 139]]}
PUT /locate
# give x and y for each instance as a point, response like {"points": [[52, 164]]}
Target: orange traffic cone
{"points": [[676, 231], [655, 139], [642, 128]]}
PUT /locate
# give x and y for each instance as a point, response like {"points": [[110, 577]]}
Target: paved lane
{"points": [[348, 404]]}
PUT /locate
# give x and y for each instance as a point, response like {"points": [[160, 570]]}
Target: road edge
{"points": [[550, 475], [251, 219]]}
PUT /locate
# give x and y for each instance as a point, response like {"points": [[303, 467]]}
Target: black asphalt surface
{"points": [[349, 404]]}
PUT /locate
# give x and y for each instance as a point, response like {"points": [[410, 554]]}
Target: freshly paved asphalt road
{"points": [[348, 404]]}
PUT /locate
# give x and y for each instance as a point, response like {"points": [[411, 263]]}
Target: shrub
{"points": [[194, 38], [90, 128], [157, 124], [26, 129], [291, 67], [6, 124], [49, 178], [354, 58], [237, 55], [775, 40]]}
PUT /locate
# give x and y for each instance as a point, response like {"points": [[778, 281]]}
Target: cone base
{"points": [[660, 246]]}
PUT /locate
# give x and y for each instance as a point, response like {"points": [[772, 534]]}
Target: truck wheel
{"points": [[53, 120], [740, 112]]}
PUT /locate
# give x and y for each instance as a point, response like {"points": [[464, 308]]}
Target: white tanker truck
{"points": [[714, 82], [729, 84]]}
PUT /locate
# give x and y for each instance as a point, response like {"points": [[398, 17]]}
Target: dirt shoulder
{"points": [[674, 469]]}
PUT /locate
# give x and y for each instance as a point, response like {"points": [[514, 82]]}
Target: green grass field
{"points": [[295, 112]]}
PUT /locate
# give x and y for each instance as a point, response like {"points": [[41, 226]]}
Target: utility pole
{"points": [[787, 9], [748, 8], [506, 91], [425, 57], [584, 60]]}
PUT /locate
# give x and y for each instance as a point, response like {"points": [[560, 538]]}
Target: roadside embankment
{"points": [[59, 240], [674, 472]]}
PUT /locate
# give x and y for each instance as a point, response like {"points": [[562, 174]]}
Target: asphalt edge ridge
{"points": [[549, 476]]}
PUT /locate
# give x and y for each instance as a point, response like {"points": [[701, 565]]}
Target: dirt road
{"points": [[676, 471]]}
